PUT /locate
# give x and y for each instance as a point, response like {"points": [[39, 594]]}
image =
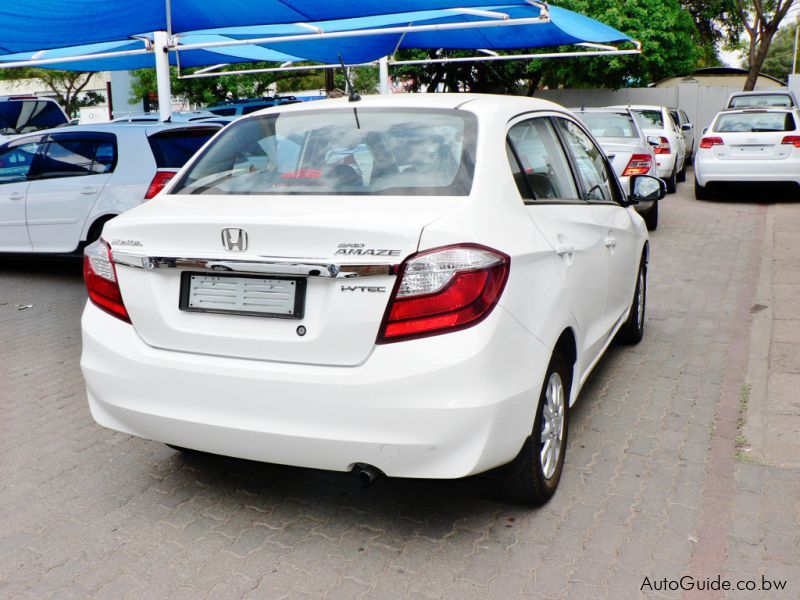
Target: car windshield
{"points": [[609, 125], [756, 100], [27, 116], [754, 122], [342, 151], [650, 119]]}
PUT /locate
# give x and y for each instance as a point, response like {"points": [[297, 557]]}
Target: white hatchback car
{"points": [[749, 146], [59, 187], [430, 312]]}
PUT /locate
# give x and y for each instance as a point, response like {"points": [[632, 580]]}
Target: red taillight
{"points": [[663, 147], [794, 140], [100, 276], [159, 182], [710, 142], [444, 290], [639, 164]]}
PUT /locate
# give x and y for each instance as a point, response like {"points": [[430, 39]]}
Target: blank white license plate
{"points": [[261, 296]]}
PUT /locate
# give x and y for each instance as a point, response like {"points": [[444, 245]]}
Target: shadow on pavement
{"points": [[49, 265], [763, 193]]}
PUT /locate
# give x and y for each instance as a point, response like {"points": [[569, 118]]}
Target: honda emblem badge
{"points": [[234, 240]]}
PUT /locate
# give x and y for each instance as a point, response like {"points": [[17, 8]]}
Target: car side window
{"points": [[540, 167], [591, 165], [16, 162], [76, 157]]}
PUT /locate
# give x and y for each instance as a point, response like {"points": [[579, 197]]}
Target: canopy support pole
{"points": [[161, 52], [383, 68]]}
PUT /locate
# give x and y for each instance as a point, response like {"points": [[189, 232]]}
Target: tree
{"points": [[716, 22], [670, 48], [67, 86], [779, 60], [761, 20]]}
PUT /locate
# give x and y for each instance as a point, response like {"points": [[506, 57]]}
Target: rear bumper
{"points": [[709, 169], [665, 165], [442, 407]]}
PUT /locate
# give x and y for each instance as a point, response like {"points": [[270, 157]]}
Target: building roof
{"points": [[722, 72]]}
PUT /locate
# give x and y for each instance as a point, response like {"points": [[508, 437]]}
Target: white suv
{"points": [[59, 187], [430, 311]]}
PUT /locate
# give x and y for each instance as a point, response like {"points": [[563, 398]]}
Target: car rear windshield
{"points": [[650, 119], [27, 116], [755, 121], [173, 148], [344, 151], [609, 125], [756, 100]]}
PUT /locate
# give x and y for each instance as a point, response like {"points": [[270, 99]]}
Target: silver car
{"points": [[627, 147]]}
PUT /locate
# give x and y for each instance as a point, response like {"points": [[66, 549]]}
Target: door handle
{"points": [[89, 191], [610, 242], [565, 249], [16, 196]]}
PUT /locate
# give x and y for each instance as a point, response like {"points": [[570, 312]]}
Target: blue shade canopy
{"points": [[31, 25], [564, 28]]}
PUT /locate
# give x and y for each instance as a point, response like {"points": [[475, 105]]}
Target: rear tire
{"points": [[541, 459], [672, 182], [681, 177], [651, 217], [701, 192], [632, 332]]}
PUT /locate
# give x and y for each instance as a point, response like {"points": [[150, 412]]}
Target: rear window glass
{"points": [[222, 112], [347, 151], [650, 119], [755, 100], [609, 125], [173, 149], [755, 122], [27, 116]]}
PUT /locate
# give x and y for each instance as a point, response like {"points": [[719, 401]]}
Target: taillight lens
{"points": [[639, 164], [663, 147], [100, 276], [794, 140], [710, 142], [161, 179], [444, 290]]}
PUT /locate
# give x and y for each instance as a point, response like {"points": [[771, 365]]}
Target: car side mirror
{"points": [[645, 188], [687, 127], [653, 140]]}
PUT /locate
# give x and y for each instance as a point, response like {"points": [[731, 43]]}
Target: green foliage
{"points": [[672, 47], [781, 54], [67, 86], [208, 91]]}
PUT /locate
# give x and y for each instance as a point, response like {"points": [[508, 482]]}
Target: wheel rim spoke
{"points": [[552, 431]]}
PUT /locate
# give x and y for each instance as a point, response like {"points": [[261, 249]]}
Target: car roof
{"points": [[23, 98], [603, 109], [477, 103], [117, 128], [764, 93], [642, 107]]}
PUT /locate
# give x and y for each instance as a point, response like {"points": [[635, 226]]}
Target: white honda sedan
{"points": [[749, 146], [416, 285]]}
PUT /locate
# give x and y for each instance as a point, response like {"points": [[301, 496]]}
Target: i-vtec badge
{"points": [[234, 240], [360, 250], [129, 243], [364, 289]]}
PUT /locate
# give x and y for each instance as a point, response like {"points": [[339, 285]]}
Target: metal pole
{"points": [[383, 68], [161, 51]]}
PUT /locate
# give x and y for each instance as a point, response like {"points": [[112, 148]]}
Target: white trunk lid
{"points": [[341, 315], [752, 146]]}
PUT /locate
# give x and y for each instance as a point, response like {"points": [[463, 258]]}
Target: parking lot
{"points": [[651, 486]]}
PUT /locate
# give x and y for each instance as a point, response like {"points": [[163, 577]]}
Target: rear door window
{"points": [[649, 119], [174, 147], [28, 116], [76, 156], [540, 167]]}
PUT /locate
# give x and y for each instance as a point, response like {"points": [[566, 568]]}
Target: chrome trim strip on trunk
{"points": [[301, 267]]}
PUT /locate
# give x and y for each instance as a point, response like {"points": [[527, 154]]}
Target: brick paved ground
{"points": [[86, 512]]}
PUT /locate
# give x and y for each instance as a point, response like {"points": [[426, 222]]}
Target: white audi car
{"points": [[749, 146], [415, 285]]}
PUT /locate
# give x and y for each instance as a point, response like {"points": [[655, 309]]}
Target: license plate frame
{"points": [[297, 310]]}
